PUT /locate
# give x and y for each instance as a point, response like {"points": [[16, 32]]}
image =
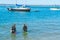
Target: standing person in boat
{"points": [[13, 28], [25, 28]]}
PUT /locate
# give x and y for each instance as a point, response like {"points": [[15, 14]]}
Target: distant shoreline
{"points": [[31, 5]]}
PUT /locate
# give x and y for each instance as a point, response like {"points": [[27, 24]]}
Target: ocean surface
{"points": [[43, 23]]}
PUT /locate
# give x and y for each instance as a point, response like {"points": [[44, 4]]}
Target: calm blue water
{"points": [[43, 23]]}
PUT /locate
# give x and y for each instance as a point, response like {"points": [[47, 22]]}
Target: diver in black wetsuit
{"points": [[25, 28], [14, 28]]}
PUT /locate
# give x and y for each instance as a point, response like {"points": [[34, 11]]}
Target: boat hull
{"points": [[18, 9]]}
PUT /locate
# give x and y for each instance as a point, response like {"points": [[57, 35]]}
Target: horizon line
{"points": [[28, 4]]}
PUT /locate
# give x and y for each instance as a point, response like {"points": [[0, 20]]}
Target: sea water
{"points": [[42, 23]]}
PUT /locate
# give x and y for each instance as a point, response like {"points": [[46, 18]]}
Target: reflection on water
{"points": [[13, 36], [25, 35]]}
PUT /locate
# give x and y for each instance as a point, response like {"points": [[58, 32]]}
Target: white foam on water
{"points": [[54, 8]]}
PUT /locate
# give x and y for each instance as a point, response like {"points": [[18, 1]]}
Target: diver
{"points": [[13, 28], [25, 28]]}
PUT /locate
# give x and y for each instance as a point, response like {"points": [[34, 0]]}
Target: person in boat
{"points": [[25, 28], [14, 28]]}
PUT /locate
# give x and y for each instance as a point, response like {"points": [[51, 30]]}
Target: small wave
{"points": [[54, 8]]}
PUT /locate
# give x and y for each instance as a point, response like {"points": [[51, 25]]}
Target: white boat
{"points": [[54, 8], [19, 9], [22, 8]]}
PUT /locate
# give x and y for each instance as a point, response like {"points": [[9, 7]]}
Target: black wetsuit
{"points": [[13, 30], [25, 28]]}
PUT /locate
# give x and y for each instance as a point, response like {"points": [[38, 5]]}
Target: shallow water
{"points": [[43, 24]]}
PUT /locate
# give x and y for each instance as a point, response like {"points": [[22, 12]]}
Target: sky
{"points": [[31, 2]]}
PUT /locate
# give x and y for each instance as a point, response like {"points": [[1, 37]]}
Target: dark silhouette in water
{"points": [[36, 11], [25, 28], [14, 28]]}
